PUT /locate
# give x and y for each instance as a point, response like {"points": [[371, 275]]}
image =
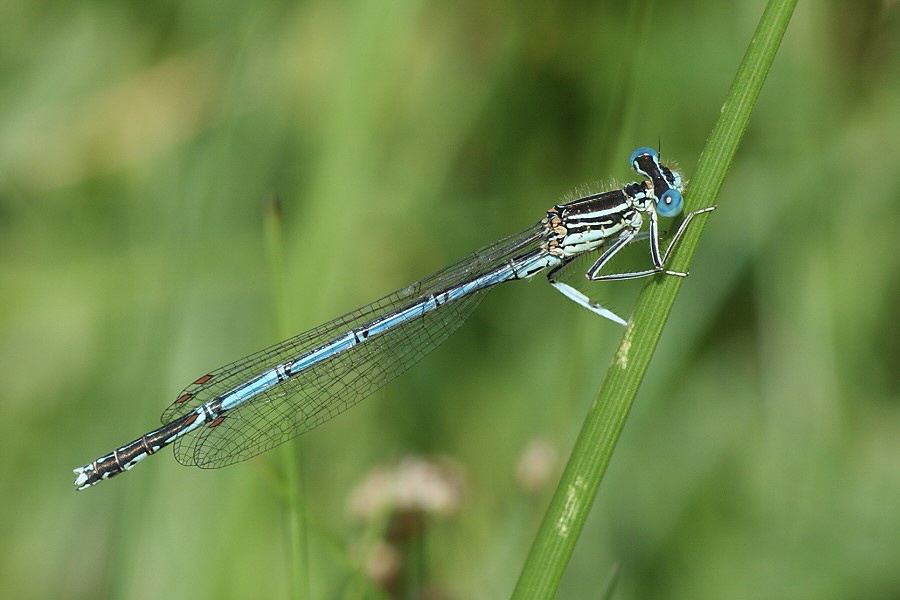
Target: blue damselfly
{"points": [[262, 400]]}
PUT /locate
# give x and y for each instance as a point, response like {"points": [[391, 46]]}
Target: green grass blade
{"points": [[294, 498], [593, 449]]}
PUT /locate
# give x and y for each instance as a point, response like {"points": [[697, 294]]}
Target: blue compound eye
{"points": [[643, 150], [670, 203]]}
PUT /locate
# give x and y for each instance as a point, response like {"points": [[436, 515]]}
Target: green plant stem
{"points": [[571, 503], [295, 502]]}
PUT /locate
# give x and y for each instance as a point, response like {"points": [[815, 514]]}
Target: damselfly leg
{"points": [[659, 263]]}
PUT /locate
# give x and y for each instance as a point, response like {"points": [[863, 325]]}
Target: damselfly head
{"points": [[666, 183]]}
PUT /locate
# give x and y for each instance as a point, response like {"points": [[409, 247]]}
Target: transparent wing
{"points": [[330, 387]]}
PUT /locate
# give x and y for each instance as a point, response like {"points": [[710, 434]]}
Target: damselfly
{"points": [[258, 402]]}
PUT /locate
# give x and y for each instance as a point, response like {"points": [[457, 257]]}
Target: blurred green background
{"points": [[140, 147]]}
